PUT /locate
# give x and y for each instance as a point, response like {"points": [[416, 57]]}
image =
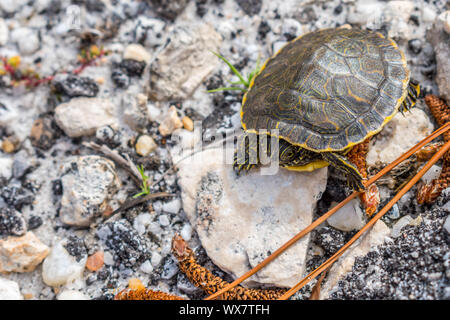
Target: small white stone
{"points": [[153, 112], [141, 222], [164, 220], [72, 295], [26, 39], [108, 258], [156, 259], [60, 267], [9, 290], [137, 52], [173, 206], [145, 145], [83, 116], [6, 167], [349, 217], [431, 174], [428, 14], [146, 267], [403, 222], [186, 232], [4, 32], [170, 122]]}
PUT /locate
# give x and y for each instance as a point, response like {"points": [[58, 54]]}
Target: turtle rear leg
{"points": [[246, 154], [411, 97], [371, 197], [343, 164]]}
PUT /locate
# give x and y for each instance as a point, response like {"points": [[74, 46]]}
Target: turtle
{"points": [[319, 96]]}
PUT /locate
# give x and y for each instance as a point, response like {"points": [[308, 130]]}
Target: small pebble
{"points": [[170, 122], [164, 220], [188, 124], [156, 259], [95, 262], [146, 267], [72, 295], [145, 145], [9, 290], [137, 52]]}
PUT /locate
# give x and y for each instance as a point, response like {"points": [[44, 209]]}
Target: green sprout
{"points": [[144, 186], [242, 80]]}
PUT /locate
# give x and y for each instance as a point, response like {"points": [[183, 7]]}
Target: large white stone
{"points": [[83, 116], [240, 221]]}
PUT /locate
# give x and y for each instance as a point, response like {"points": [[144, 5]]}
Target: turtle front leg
{"points": [[411, 97], [342, 164], [246, 154]]}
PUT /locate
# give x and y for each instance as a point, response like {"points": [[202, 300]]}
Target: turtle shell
{"points": [[328, 90]]}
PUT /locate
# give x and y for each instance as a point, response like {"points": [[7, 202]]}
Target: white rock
{"points": [[173, 206], [349, 217], [145, 145], [4, 32], [240, 220], [156, 259], [83, 116], [108, 258], [26, 39], [11, 6], [186, 232], [88, 184], [9, 290], [397, 136], [170, 123], [6, 167], [60, 268], [146, 267], [403, 222], [184, 62], [141, 222], [137, 52], [164, 220], [72, 295], [366, 12], [21, 254], [428, 13], [431, 174], [154, 112], [376, 236]]}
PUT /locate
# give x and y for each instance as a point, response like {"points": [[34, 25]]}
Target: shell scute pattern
{"points": [[329, 89]]}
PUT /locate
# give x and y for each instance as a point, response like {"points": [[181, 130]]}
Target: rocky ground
{"points": [[132, 77]]}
